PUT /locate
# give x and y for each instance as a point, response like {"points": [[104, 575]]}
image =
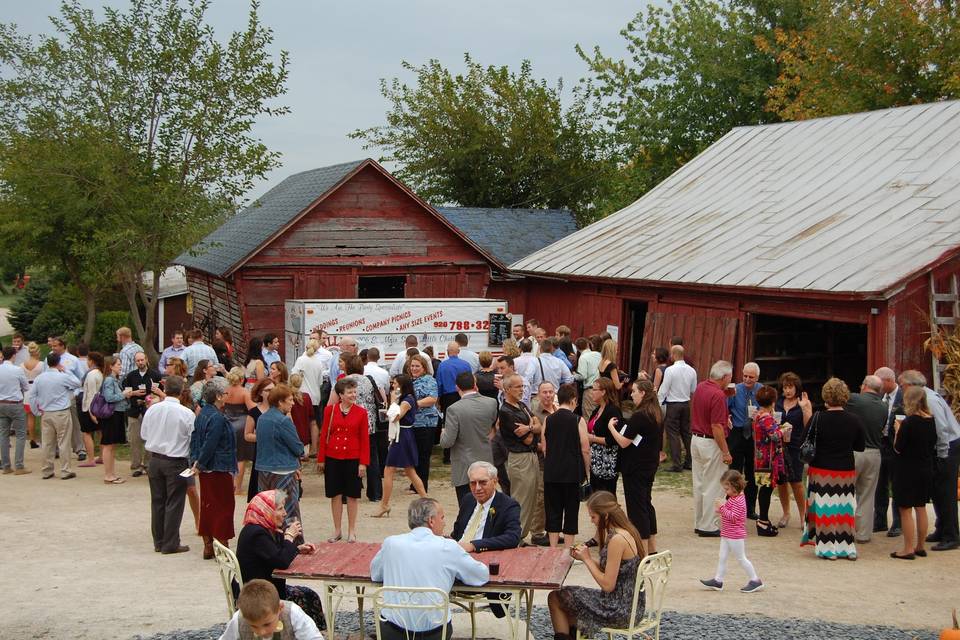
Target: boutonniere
{"points": [[492, 512]]}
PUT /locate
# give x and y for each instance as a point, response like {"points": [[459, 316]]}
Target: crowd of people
{"points": [[529, 435]]}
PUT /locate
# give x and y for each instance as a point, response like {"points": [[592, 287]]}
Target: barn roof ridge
{"points": [[847, 204]]}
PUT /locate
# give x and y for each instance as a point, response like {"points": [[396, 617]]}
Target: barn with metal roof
{"points": [[352, 230], [824, 246]]}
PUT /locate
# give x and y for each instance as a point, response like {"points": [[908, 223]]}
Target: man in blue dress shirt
{"points": [[742, 406], [422, 558], [53, 396]]}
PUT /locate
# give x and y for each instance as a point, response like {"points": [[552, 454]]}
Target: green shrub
{"points": [[27, 306], [61, 314], [105, 330]]}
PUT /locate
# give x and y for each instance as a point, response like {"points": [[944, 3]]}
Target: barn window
{"points": [[381, 286], [813, 349]]}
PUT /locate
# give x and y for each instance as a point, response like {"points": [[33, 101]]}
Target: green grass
{"points": [[682, 482], [7, 299]]}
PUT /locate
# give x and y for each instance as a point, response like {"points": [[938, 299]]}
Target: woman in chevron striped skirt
{"points": [[831, 499]]}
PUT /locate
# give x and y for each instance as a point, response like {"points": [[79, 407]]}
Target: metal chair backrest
{"points": [[652, 575], [229, 571], [415, 605]]}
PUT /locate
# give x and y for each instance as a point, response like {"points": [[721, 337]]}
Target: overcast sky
{"points": [[339, 51]]}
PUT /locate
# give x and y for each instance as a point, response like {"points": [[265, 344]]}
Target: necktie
{"points": [[470, 533]]}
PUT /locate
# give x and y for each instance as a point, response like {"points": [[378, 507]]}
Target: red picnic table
{"points": [[344, 569]]}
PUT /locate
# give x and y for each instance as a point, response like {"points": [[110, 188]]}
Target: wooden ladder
{"points": [[939, 321]]}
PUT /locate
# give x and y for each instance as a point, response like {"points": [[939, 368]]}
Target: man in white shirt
{"points": [[467, 355], [166, 428], [526, 361], [52, 397], [396, 368], [549, 368], [196, 351], [422, 558], [676, 390], [21, 354], [373, 369], [588, 366]]}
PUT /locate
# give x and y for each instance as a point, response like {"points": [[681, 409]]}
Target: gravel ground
{"points": [[676, 626]]}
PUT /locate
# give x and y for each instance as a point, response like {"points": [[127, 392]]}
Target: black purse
{"points": [[808, 450]]}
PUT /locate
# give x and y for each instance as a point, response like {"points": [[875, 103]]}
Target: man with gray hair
{"points": [[946, 533], [742, 406], [710, 425], [421, 558], [893, 399], [870, 408], [488, 520], [166, 428]]}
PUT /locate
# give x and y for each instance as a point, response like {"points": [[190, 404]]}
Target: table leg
{"points": [[360, 594], [328, 605], [529, 593]]}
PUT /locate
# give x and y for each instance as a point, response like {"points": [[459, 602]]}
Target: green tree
{"points": [[694, 72], [862, 55], [160, 113], [492, 137]]}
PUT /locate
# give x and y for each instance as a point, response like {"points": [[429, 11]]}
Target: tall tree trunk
{"points": [[89, 299], [90, 302], [149, 300], [130, 290]]}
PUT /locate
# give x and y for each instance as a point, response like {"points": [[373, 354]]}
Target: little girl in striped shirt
{"points": [[733, 533]]}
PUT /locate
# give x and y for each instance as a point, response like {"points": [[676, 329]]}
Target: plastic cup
{"points": [[494, 568], [778, 416]]}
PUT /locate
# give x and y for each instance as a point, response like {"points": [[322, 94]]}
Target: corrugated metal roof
{"points": [[852, 203], [510, 234], [240, 235]]}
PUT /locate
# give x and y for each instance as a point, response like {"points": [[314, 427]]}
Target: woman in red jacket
{"points": [[344, 455]]}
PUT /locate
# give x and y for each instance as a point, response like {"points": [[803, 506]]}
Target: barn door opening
{"points": [[381, 286], [638, 317], [815, 350]]}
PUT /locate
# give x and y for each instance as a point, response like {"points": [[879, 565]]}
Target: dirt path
{"points": [[78, 562]]}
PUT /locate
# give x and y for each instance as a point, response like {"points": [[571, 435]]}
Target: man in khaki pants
{"points": [[518, 428], [52, 397]]}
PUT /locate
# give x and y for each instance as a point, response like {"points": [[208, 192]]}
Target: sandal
{"points": [[765, 529], [117, 480], [783, 522], [336, 538]]}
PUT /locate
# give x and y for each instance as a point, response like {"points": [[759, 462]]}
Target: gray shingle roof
{"points": [[849, 204], [511, 234], [240, 235]]}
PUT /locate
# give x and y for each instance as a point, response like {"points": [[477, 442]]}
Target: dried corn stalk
{"points": [[944, 344]]}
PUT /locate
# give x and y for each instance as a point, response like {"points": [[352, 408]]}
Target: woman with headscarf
{"points": [[264, 546]]}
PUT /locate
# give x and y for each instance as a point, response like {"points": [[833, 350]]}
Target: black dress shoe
{"points": [[878, 529], [137, 473], [181, 549], [675, 469], [947, 545], [933, 537], [708, 534], [894, 532]]}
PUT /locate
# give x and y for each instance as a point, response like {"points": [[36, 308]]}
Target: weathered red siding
{"points": [[215, 303]]}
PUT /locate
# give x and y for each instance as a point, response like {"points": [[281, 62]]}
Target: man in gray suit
{"points": [[869, 406], [467, 429]]}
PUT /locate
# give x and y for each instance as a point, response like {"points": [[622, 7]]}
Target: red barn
{"points": [[822, 247], [349, 231]]}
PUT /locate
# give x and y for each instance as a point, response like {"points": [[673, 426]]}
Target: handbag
{"points": [[99, 405], [808, 450]]}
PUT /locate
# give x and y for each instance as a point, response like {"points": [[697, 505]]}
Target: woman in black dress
{"points": [[608, 364], [603, 448], [914, 446], [259, 393], [565, 464], [639, 461]]}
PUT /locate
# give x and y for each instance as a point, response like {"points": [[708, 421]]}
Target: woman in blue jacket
{"points": [[213, 449], [279, 451]]}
